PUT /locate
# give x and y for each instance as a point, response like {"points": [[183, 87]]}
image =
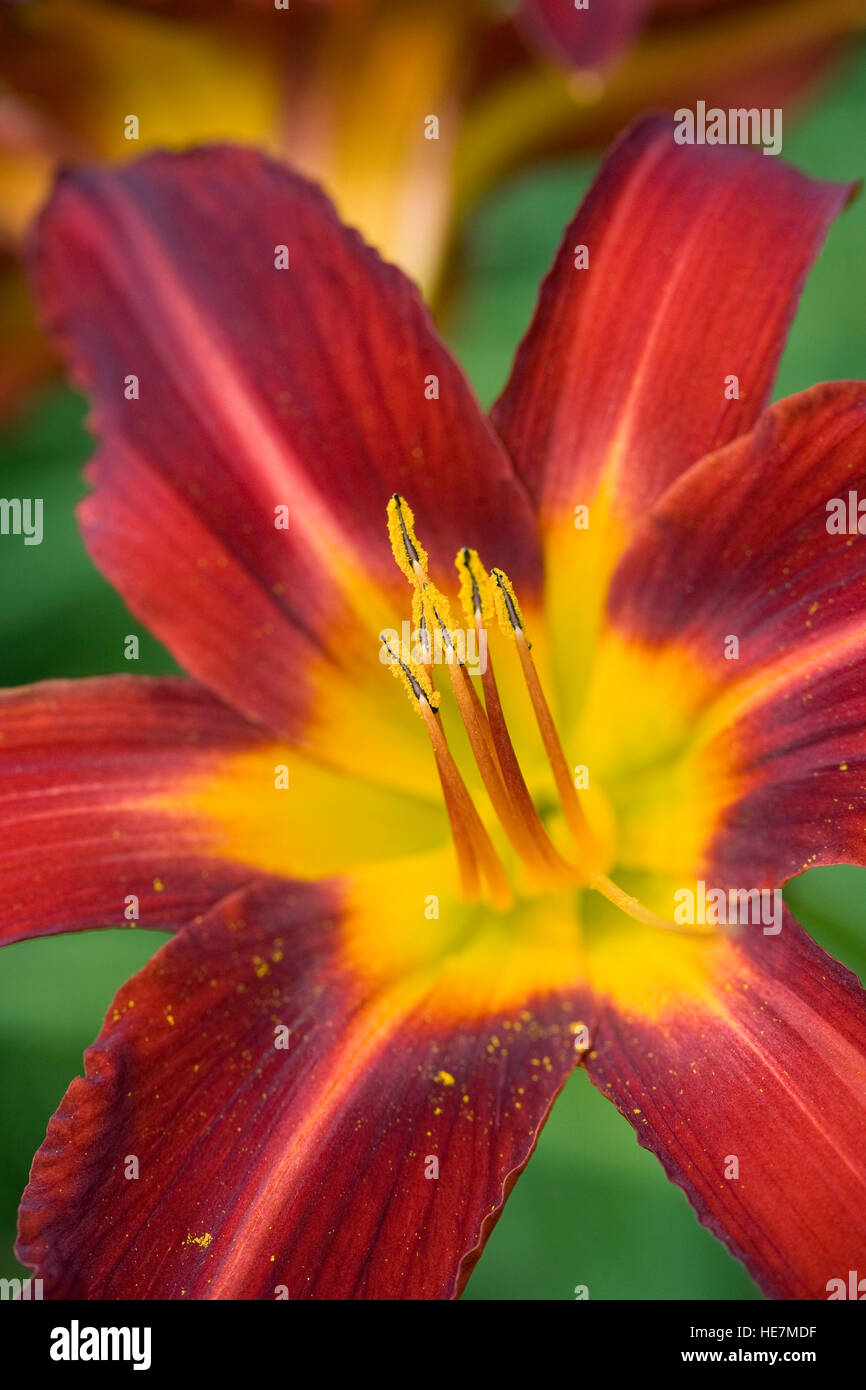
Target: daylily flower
{"points": [[403, 917], [345, 91]]}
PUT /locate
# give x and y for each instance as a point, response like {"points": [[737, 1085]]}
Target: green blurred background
{"points": [[592, 1207]]}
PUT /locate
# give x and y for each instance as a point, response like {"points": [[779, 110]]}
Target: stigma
{"points": [[485, 597]]}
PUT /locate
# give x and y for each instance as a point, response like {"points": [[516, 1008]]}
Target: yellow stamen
{"points": [[482, 595], [632, 907], [478, 729], [477, 601], [475, 721], [467, 861], [418, 687], [481, 743], [487, 857], [553, 863], [511, 619], [471, 841]]}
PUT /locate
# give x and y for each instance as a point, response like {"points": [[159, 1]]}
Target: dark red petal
{"points": [[767, 1067], [261, 387], [696, 259], [303, 1168], [90, 806], [739, 547], [582, 38]]}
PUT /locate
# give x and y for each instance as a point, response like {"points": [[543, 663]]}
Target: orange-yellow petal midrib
{"points": [[320, 824], [578, 564]]}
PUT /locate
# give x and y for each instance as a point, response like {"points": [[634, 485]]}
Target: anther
{"points": [[476, 598], [439, 609], [408, 551], [413, 678], [507, 608]]}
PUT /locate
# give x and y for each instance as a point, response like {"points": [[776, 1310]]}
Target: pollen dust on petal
{"points": [[204, 1240]]}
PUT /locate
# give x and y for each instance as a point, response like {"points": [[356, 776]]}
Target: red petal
{"points": [[740, 547], [696, 259], [261, 387], [89, 811], [582, 38], [302, 1168], [769, 1067]]}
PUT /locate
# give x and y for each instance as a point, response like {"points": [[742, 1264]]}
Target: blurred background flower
{"points": [[344, 93]]}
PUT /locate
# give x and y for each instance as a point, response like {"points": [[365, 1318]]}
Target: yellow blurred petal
{"points": [[85, 67], [385, 78], [187, 82]]}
